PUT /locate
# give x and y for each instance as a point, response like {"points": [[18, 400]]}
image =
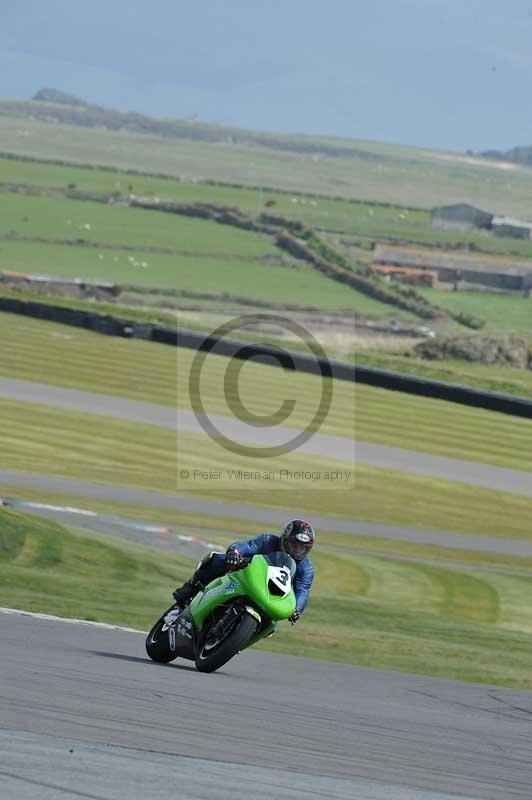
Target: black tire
{"points": [[229, 647], [157, 644]]}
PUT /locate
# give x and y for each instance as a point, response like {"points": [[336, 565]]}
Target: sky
{"points": [[445, 75]]}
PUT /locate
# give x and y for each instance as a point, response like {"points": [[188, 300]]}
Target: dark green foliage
{"points": [[517, 155], [11, 538], [327, 252], [55, 96], [468, 320], [311, 248]]}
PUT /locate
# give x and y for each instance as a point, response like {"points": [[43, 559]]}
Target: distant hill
{"points": [[55, 96], [517, 155], [195, 151], [54, 105]]}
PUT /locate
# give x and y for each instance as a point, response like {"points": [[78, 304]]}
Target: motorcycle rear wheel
{"points": [[209, 659]]}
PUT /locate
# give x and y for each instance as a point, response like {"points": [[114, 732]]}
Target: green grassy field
{"points": [[423, 233], [400, 175], [196, 314], [212, 256], [449, 429], [224, 530], [373, 415], [66, 219], [103, 450], [451, 623], [482, 376], [74, 358], [51, 353], [322, 211], [216, 253], [501, 312], [45, 566], [393, 637], [251, 279], [348, 216], [384, 603]]}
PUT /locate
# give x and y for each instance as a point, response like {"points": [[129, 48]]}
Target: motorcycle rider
{"points": [[296, 540]]}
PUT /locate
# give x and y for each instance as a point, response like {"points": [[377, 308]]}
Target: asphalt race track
{"points": [[85, 714], [334, 447]]}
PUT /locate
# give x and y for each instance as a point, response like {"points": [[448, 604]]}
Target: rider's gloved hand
{"points": [[294, 618], [233, 559]]}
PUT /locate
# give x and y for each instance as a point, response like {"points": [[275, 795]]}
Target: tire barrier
{"points": [[100, 323], [271, 355], [454, 393]]}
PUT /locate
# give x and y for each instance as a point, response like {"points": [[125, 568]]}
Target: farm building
{"points": [[460, 216], [415, 277], [513, 228], [506, 274]]}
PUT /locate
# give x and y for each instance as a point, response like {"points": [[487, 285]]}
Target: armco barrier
{"points": [[268, 354]]}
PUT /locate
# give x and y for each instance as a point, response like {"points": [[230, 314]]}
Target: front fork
{"points": [[268, 630]]}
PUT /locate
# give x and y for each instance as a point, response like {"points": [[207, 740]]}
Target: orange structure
{"points": [[417, 277]]}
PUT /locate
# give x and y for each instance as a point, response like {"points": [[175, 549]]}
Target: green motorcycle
{"points": [[226, 616]]}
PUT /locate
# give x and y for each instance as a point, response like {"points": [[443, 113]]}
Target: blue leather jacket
{"points": [[269, 543]]}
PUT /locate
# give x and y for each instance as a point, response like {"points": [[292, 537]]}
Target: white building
{"points": [[510, 227]]}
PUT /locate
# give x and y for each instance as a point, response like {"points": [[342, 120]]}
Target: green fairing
{"points": [[251, 583]]}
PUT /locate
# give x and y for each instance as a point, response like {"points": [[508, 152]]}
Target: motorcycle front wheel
{"points": [[213, 655]]}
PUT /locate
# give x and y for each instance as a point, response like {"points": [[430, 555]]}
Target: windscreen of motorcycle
{"points": [[279, 559]]}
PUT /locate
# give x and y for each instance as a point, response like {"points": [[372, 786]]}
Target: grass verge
{"points": [[364, 610], [225, 530], [479, 376], [46, 352], [505, 313], [102, 450], [443, 428], [45, 566]]}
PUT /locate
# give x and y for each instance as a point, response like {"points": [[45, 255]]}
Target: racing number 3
{"points": [[283, 577]]}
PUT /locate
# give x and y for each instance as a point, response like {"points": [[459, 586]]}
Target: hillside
{"points": [[314, 165], [516, 155], [44, 230], [51, 104], [85, 202]]}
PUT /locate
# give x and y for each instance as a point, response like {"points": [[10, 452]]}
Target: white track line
{"points": [[52, 618]]}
